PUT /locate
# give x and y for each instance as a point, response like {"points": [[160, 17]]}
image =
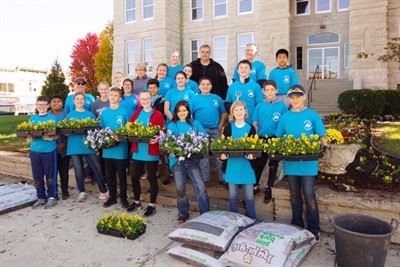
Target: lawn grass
{"points": [[388, 138], [8, 138]]}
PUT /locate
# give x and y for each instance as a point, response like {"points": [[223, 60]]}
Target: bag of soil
{"points": [[195, 257]]}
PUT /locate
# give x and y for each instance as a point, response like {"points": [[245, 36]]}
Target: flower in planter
{"points": [[289, 145], [78, 123], [246, 143], [100, 138], [334, 136], [136, 129], [122, 222], [185, 145], [49, 125]]}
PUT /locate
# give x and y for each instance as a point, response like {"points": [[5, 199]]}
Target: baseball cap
{"points": [[80, 79], [296, 89]]}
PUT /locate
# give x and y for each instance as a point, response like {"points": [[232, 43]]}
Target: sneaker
{"points": [[88, 180], [183, 218], [82, 196], [267, 195], [144, 176], [256, 189], [38, 203], [104, 196], [124, 203], [65, 195], [109, 203], [51, 202], [317, 237], [150, 210], [134, 206]]}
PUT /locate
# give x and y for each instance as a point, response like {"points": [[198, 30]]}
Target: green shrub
{"points": [[392, 102], [364, 103]]}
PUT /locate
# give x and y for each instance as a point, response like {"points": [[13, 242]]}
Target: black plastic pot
{"points": [[236, 153], [361, 241]]}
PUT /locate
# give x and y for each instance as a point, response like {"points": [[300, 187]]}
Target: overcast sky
{"points": [[33, 33]]}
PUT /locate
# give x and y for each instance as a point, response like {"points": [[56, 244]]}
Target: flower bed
{"points": [[237, 147], [100, 139], [184, 146], [27, 128], [122, 225], [137, 132], [75, 126]]}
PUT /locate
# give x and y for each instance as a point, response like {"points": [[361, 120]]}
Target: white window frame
{"points": [[200, 42], [342, 9], [125, 11], [149, 63], [247, 12], [324, 11], [226, 10], [226, 50], [241, 49], [323, 56], [346, 63], [191, 10], [143, 6], [309, 8], [324, 43], [128, 58]]}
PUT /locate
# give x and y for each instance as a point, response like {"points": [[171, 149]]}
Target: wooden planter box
{"points": [[236, 153], [121, 234], [39, 133]]}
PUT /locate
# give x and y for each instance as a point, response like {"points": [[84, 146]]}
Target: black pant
{"points": [[137, 171], [114, 166], [259, 164], [63, 167]]}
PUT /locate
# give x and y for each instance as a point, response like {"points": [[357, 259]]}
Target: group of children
{"points": [[181, 105]]}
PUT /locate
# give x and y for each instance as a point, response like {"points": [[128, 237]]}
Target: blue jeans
{"points": [[180, 170], [94, 164], [205, 162], [44, 164], [305, 185], [234, 191]]}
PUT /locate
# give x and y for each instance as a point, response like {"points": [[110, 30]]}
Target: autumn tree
{"points": [[104, 57], [83, 59], [55, 82]]}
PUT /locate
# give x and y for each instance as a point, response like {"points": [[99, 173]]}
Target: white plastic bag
{"points": [[195, 256]]}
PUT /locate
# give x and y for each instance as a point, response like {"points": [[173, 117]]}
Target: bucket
{"points": [[362, 241]]}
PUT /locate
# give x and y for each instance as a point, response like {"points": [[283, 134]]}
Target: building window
{"points": [[148, 53], [299, 58], [323, 38], [130, 10], [130, 59], [194, 48], [322, 6], [302, 7], [346, 51], [148, 9], [197, 9], [220, 50], [243, 40], [327, 58], [343, 5], [245, 6], [6, 88], [220, 8]]}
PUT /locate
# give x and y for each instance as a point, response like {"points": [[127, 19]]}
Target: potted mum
{"points": [[100, 138], [121, 225], [137, 132], [75, 126], [237, 147], [26, 128], [184, 146]]}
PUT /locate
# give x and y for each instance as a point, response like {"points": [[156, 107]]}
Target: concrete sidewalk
{"points": [[67, 236]]}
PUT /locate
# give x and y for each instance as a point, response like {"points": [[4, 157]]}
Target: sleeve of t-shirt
{"points": [[168, 96], [294, 78], [235, 75], [229, 97], [262, 72], [255, 115], [102, 122], [319, 125], [67, 107], [271, 76], [93, 108], [199, 128], [92, 99], [192, 104], [259, 94], [91, 115], [171, 128], [221, 106], [280, 131]]}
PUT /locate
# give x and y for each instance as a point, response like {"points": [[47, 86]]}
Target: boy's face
{"points": [[205, 53], [79, 101], [127, 86], [250, 52], [282, 60], [297, 101], [174, 59], [56, 104], [244, 70], [140, 73], [42, 107], [269, 92], [153, 89], [103, 90], [114, 97], [145, 100], [205, 87]]}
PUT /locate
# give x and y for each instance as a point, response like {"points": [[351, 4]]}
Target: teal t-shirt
{"points": [[70, 105], [258, 71], [38, 144], [207, 109], [173, 70], [193, 86], [284, 78], [75, 143], [175, 95], [250, 93], [308, 122], [143, 148], [129, 103], [267, 115], [114, 119], [238, 169]]}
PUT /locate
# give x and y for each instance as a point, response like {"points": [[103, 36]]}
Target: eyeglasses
{"points": [[81, 83]]}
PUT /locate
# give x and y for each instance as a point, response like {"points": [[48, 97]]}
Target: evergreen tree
{"points": [[55, 82]]}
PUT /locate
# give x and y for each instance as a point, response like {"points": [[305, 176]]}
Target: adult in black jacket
{"points": [[204, 66]]}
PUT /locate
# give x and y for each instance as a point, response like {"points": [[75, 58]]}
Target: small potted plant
{"points": [[137, 132], [27, 128], [77, 126], [122, 225], [237, 147], [184, 146], [100, 138]]}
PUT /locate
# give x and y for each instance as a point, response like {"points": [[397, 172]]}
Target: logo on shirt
{"points": [[120, 120], [88, 102], [307, 125], [215, 102], [186, 97], [276, 116], [167, 85], [253, 71], [250, 93], [286, 79]]}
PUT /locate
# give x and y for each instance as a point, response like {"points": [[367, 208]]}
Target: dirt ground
{"points": [[67, 236]]}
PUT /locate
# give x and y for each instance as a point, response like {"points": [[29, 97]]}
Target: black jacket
{"points": [[215, 72]]}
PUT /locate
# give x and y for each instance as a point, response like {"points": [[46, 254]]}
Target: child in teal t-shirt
{"points": [[129, 100], [165, 83], [188, 69]]}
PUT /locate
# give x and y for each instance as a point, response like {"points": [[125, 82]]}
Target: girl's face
{"points": [[42, 107], [188, 71], [205, 87], [182, 113], [145, 100], [244, 70], [153, 89], [269, 92], [127, 88], [79, 101], [162, 72], [115, 97], [239, 112], [140, 73], [180, 80], [103, 90]]}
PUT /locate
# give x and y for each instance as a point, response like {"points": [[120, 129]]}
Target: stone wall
{"points": [[394, 31]]}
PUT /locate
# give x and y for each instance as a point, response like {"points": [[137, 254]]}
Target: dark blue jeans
{"points": [[304, 185], [91, 159], [44, 164], [180, 170], [248, 194]]}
